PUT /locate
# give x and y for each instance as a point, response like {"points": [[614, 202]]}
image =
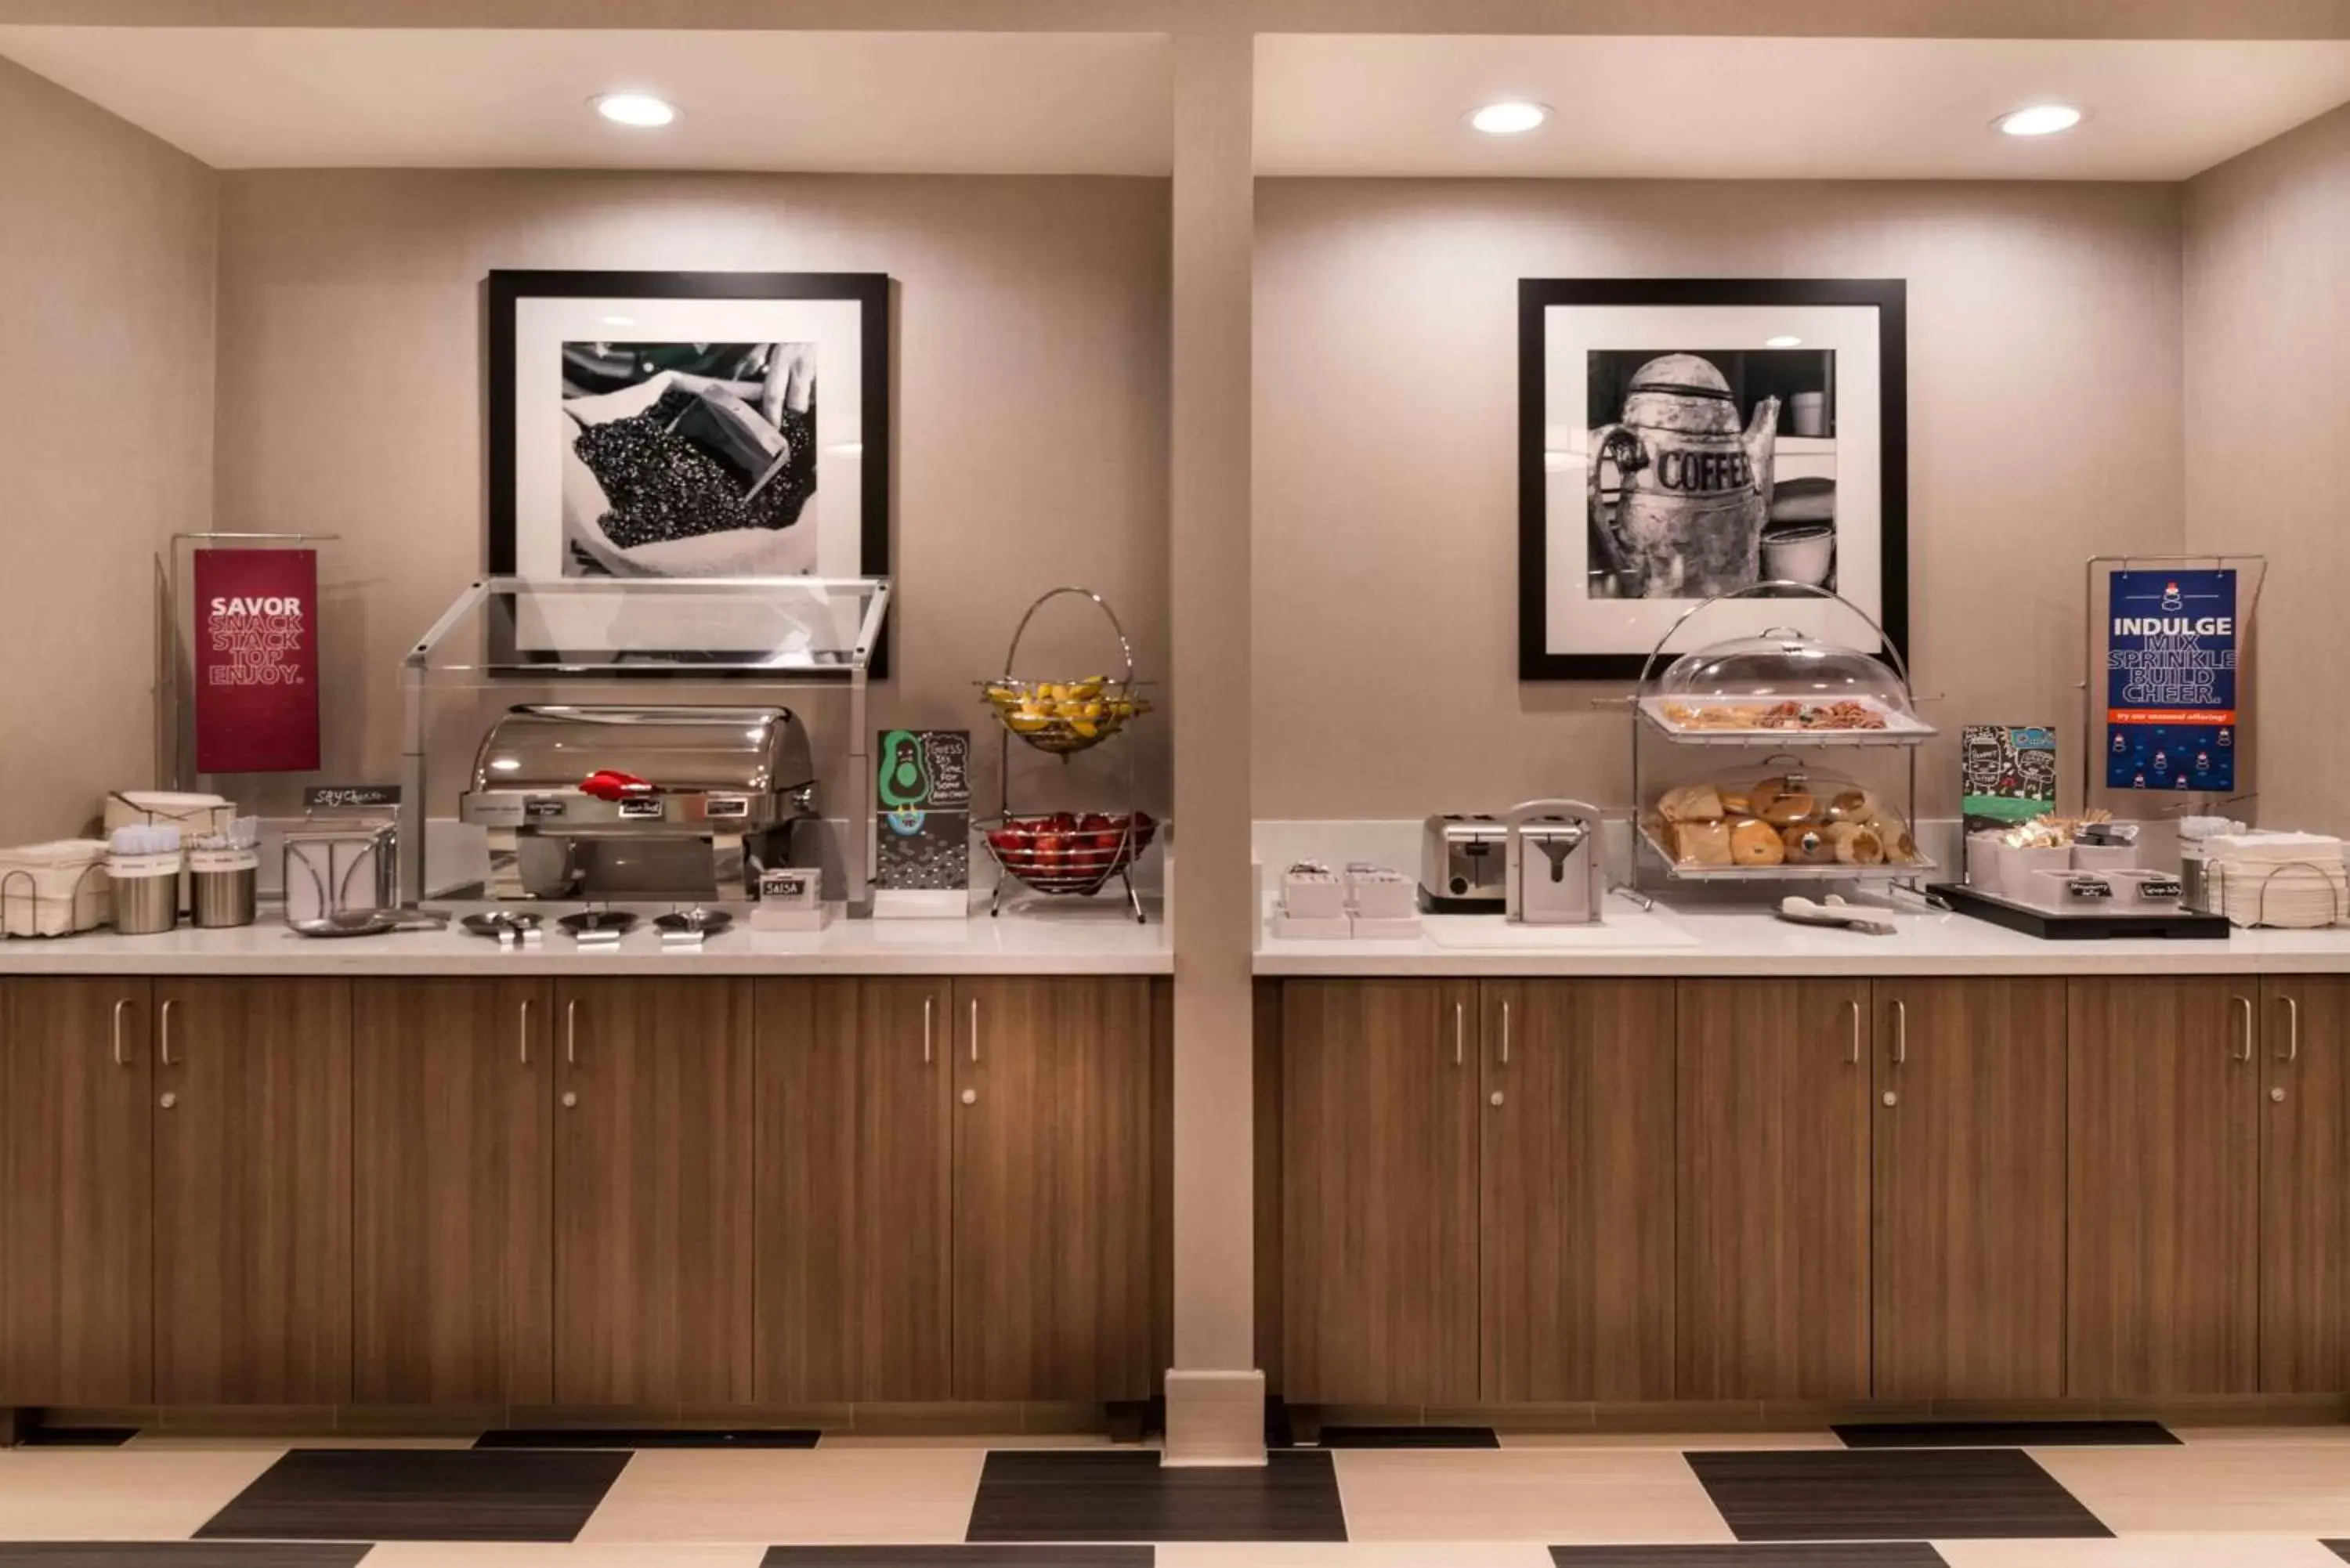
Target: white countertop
{"points": [[1690, 938], [1095, 939]]}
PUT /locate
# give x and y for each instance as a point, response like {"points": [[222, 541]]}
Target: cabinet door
{"points": [[1576, 1203], [76, 1272], [451, 1090], [1969, 1261], [1379, 1191], [2162, 1098], [1772, 1288], [652, 1191], [1052, 1189], [2305, 1186], [253, 1192], [855, 1211]]}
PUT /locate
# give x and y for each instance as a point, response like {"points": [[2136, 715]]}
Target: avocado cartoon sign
{"points": [[2171, 652], [923, 789]]}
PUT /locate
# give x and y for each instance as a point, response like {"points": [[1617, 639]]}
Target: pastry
{"points": [[1757, 844], [1852, 805], [1857, 843], [1788, 809], [1736, 804], [1701, 843], [1690, 802], [1808, 846]]}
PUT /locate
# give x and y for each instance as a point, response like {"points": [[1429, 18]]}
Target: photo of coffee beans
{"points": [[663, 485]]}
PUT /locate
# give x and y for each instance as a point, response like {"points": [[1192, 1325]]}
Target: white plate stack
{"points": [[2290, 880]]}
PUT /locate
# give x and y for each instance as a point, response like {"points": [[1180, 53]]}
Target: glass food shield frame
{"points": [[808, 632]]}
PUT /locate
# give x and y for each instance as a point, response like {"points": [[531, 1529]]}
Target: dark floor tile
{"points": [[1812, 1555], [642, 1437], [418, 1494], [2339, 1548], [1022, 1556], [77, 1437], [1278, 1432], [1080, 1495], [177, 1554], [1410, 1437], [1890, 1494], [2003, 1434]]}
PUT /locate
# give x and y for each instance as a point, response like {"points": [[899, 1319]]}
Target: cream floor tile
{"points": [[444, 1554], [1717, 1441], [1518, 1494], [810, 1496], [119, 1494], [2138, 1552], [1431, 1554], [2221, 1489]]}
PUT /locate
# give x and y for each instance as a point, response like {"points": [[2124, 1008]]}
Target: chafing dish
{"points": [[723, 791]]}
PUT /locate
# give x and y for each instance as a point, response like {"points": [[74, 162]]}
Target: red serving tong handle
{"points": [[605, 785]]}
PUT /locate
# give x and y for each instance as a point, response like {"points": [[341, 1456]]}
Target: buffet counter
{"points": [[1052, 939], [1691, 937]]}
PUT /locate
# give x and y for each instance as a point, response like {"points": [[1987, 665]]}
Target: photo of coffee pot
{"points": [[1695, 488]]}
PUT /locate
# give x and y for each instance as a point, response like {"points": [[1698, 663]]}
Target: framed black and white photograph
{"points": [[653, 424], [1683, 440]]}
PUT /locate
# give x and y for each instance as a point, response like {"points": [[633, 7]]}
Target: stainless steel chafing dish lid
{"points": [[711, 766]]}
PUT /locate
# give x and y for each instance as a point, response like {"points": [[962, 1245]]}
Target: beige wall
{"points": [[2268, 414], [1030, 397], [2044, 412], [106, 415]]}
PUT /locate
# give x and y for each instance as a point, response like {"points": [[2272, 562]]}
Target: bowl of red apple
{"points": [[1068, 853]]}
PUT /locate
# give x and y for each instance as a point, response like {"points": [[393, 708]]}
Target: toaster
{"points": [[1464, 864]]}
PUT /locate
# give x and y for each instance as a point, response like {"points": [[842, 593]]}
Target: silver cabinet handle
{"points": [[524, 1049], [2292, 1029], [164, 1032], [2246, 1003], [571, 1031], [1460, 1032], [974, 1032], [119, 1006], [1853, 1056], [1900, 1032], [1505, 1034], [927, 1003]]}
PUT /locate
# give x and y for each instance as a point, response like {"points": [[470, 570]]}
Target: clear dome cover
{"points": [[1784, 664]]}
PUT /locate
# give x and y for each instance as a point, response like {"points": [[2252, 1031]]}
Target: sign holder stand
{"points": [[174, 728], [2251, 571]]}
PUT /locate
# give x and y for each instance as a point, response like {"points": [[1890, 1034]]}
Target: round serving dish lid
{"points": [[1784, 663]]}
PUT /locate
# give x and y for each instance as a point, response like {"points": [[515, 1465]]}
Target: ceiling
{"points": [[1101, 103], [952, 103], [1845, 109]]}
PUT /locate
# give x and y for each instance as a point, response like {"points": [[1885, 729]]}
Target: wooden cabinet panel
{"points": [[1969, 1256], [854, 1209], [1379, 1191], [2305, 1186], [253, 1192], [2162, 1104], [1052, 1189], [453, 1090], [1576, 1205], [76, 1192], [1772, 1110], [652, 1191]]}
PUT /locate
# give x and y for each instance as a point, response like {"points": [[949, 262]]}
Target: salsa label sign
{"points": [[257, 660], [2170, 681]]}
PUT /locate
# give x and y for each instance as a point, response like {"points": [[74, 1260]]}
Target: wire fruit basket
{"points": [[1065, 717]]}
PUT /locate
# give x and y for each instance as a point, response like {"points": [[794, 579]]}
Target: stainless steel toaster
{"points": [[1463, 865]]}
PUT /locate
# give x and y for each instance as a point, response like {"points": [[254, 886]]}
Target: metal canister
{"points": [[146, 893], [226, 886]]}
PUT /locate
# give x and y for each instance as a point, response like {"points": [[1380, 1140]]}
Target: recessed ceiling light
{"points": [[1785, 341], [620, 321], [2040, 119], [1513, 117], [637, 109]]}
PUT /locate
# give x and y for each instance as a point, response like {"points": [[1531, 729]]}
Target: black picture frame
{"points": [[507, 289], [1536, 297]]}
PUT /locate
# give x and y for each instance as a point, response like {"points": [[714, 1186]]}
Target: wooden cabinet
{"points": [[253, 1192], [1575, 1203], [1968, 1195], [2162, 1096], [1379, 1201], [1052, 1189], [652, 1264], [1772, 1218], [451, 1089], [2305, 1270], [76, 1192], [854, 1196]]}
